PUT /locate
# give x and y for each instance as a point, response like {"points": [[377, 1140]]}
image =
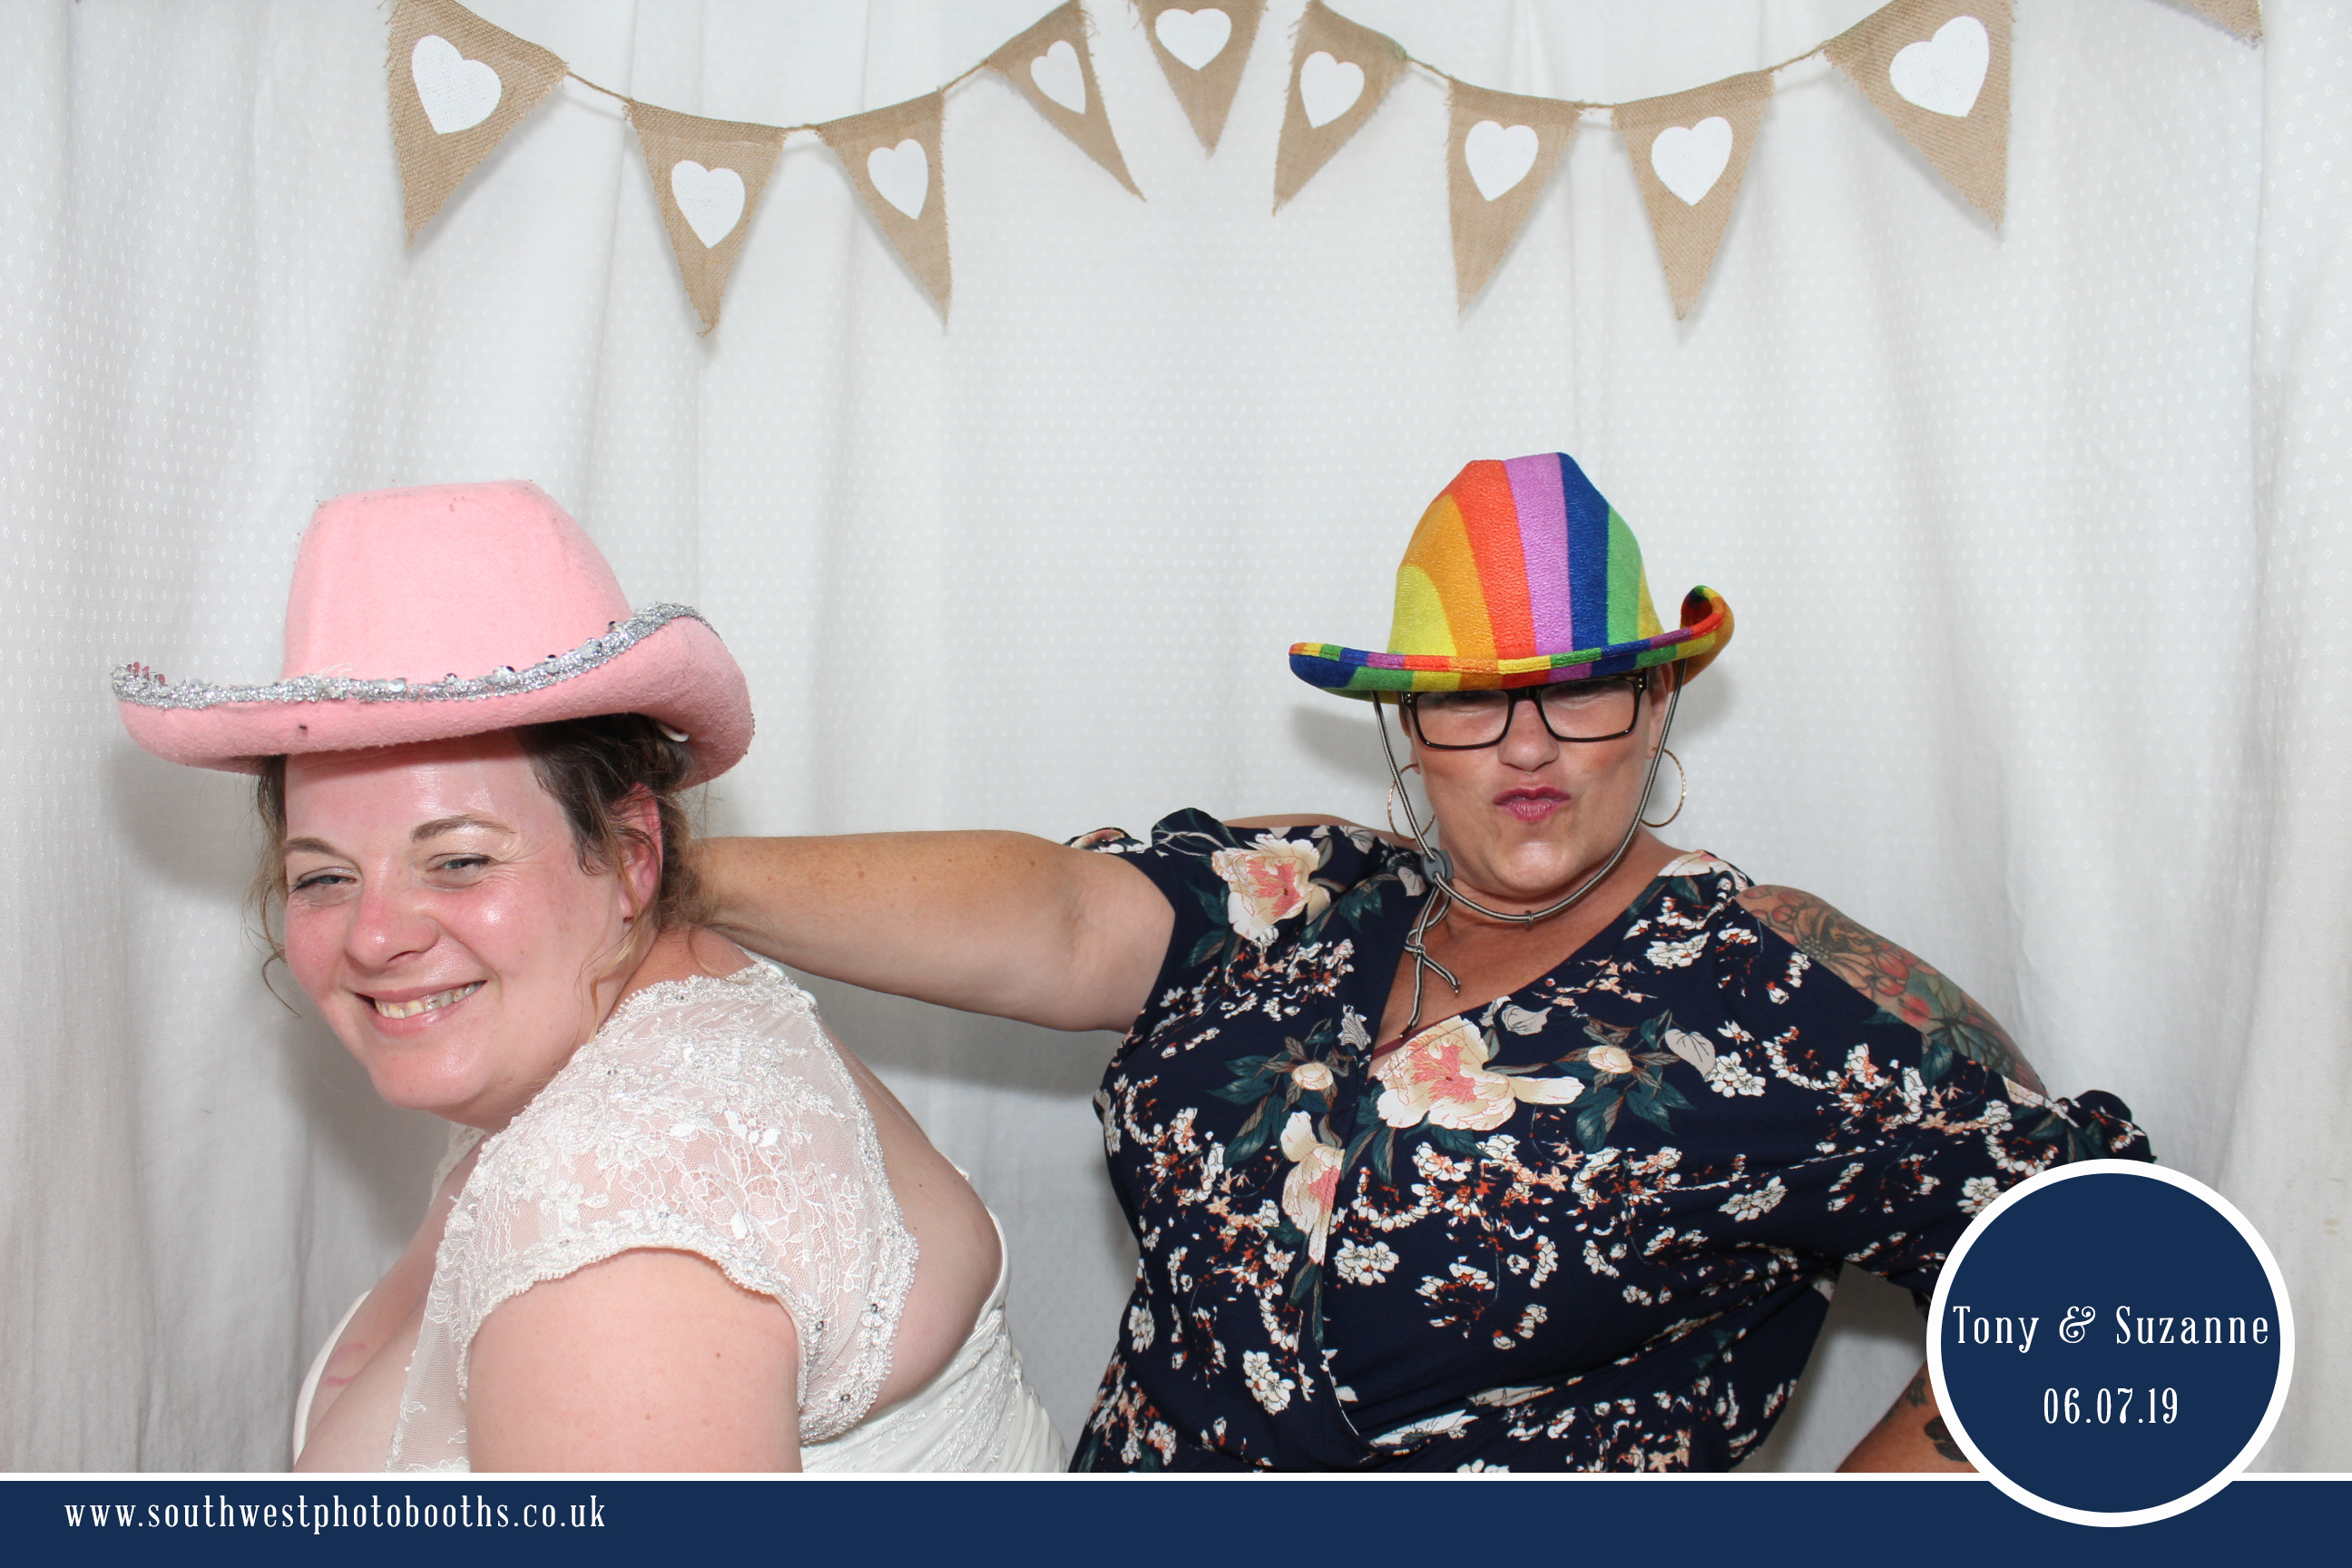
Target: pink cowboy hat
{"points": [[523, 624]]}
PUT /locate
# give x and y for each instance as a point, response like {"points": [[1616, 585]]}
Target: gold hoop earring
{"points": [[1682, 791], [1390, 810]]}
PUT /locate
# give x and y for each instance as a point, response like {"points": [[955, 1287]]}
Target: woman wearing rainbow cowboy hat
{"points": [[677, 1227], [1523, 1141]]}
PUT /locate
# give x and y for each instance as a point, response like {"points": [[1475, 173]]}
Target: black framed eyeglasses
{"points": [[1596, 710]]}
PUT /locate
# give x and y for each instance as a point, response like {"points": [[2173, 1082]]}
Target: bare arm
{"points": [[1911, 1436], [648, 1360], [988, 923], [1904, 983]]}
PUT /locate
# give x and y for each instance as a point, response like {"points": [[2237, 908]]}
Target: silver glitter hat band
{"points": [[138, 684]]}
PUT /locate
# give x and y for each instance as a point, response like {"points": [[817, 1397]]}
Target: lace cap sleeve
{"points": [[708, 1116]]}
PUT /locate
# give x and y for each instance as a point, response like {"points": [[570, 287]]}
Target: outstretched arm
{"points": [[1904, 983], [1911, 1436], [988, 923]]}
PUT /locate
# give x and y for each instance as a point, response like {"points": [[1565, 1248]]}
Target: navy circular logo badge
{"points": [[2110, 1342]]}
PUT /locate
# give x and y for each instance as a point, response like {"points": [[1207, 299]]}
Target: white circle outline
{"points": [[2220, 1205]]}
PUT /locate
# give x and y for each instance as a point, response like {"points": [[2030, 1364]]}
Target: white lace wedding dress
{"points": [[712, 1116]]}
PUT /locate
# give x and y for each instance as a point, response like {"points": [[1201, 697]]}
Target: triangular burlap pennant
{"points": [[708, 175], [1938, 71], [2243, 17], [1052, 65], [893, 158], [458, 86], [1201, 46], [1339, 74], [1689, 151], [1502, 150]]}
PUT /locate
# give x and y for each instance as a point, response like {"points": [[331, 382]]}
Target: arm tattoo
{"points": [[1900, 982], [1921, 1392]]}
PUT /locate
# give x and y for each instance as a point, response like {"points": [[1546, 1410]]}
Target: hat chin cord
{"points": [[1437, 866]]}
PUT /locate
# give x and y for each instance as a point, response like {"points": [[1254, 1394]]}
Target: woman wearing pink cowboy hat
{"points": [[1517, 1139], [678, 1228]]}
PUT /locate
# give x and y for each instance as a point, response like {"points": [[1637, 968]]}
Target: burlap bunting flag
{"points": [[1201, 51], [1938, 71], [458, 86], [2243, 17], [1339, 74], [1690, 151], [1501, 152], [893, 158], [1052, 65], [708, 175]]}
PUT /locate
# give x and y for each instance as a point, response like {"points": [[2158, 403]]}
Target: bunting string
{"points": [[1937, 70]]}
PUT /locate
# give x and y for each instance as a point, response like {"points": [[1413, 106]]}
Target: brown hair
{"points": [[591, 768]]}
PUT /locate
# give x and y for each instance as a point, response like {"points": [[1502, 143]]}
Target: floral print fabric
{"points": [[1593, 1226]]}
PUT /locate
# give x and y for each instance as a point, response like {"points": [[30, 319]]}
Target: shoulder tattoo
{"points": [[1900, 982]]}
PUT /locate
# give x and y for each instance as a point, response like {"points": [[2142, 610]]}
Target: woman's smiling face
{"points": [[437, 913]]}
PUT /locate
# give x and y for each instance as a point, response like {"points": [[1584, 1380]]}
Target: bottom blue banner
{"points": [[1121, 1521]]}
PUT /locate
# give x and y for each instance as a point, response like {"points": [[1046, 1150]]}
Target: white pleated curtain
{"points": [[2037, 543]]}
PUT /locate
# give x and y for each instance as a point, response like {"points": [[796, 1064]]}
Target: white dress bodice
{"points": [[711, 1115]]}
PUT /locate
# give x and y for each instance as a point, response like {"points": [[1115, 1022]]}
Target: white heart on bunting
{"points": [[1327, 89], [1689, 159], [902, 174], [1194, 38], [1057, 75], [711, 199], [457, 93], [1500, 156], [1945, 73]]}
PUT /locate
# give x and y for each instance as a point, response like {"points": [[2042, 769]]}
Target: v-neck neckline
{"points": [[1395, 957]]}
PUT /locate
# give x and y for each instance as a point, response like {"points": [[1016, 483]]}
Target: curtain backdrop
{"points": [[2037, 542]]}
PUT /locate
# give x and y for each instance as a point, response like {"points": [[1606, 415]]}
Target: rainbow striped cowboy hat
{"points": [[1520, 575]]}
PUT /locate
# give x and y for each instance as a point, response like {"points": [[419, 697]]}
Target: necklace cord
{"points": [[1437, 866]]}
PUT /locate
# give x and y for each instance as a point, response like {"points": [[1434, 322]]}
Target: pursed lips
{"points": [[1532, 802]]}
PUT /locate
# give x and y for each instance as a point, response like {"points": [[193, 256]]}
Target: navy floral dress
{"points": [[1591, 1226]]}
